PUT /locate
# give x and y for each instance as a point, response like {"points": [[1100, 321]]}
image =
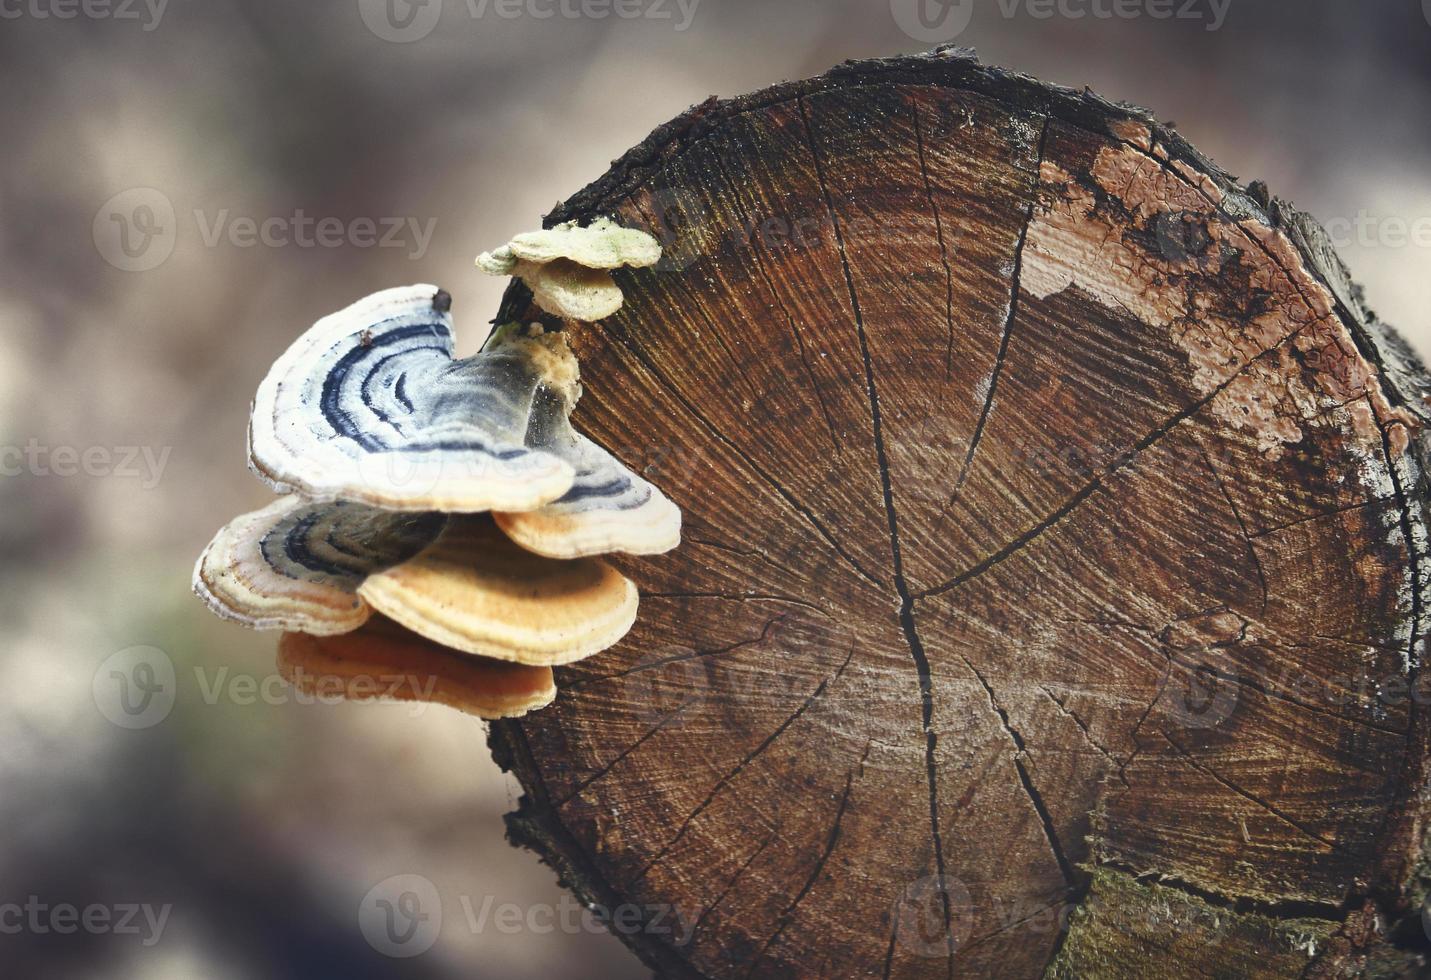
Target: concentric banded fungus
{"points": [[476, 591], [382, 433], [608, 508], [568, 267], [384, 660], [370, 406], [297, 565]]}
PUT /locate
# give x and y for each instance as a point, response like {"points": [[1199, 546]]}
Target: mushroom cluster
{"points": [[439, 518]]}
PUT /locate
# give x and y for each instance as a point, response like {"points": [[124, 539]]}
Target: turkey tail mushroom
{"points": [[297, 565], [377, 434], [370, 406], [384, 660], [476, 591], [608, 508]]}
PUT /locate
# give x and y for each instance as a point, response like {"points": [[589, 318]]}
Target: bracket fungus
{"points": [[369, 405], [390, 453], [297, 565], [568, 268], [413, 668], [476, 591]]}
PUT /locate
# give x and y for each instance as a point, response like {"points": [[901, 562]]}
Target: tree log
{"points": [[1051, 593]]}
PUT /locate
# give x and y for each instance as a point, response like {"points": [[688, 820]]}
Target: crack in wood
{"points": [[739, 873], [1241, 524], [691, 540], [1041, 810], [1247, 795], [906, 601], [595, 777], [1096, 484], [724, 781], [1323, 515], [639, 668], [755, 467], [834, 839], [739, 597], [1271, 692], [1082, 725], [943, 247], [1016, 280]]}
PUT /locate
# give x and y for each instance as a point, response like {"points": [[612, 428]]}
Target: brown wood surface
{"points": [[1050, 595]]}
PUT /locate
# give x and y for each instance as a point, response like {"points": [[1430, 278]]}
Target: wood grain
{"points": [[1054, 545]]}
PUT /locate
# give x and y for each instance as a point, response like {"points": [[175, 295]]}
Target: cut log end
{"points": [[1051, 593]]}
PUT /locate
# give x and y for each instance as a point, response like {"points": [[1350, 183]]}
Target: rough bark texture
{"points": [[1051, 593]]}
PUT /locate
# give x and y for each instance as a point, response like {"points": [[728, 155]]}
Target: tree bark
{"points": [[1050, 599]]}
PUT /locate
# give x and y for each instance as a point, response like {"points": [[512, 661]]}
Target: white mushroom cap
{"points": [[603, 244], [384, 660], [297, 565], [476, 591], [570, 291], [568, 267], [369, 406], [608, 508]]}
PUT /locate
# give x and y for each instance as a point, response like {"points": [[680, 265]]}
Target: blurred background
{"points": [[164, 169]]}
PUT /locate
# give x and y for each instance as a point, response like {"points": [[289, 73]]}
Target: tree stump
{"points": [[1050, 599]]}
